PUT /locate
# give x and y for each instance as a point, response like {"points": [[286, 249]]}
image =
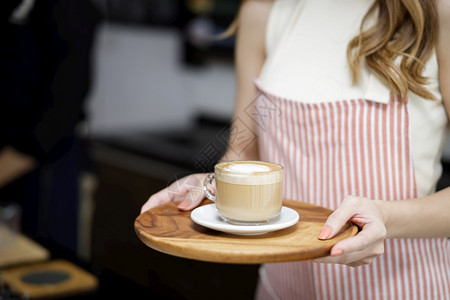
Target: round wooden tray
{"points": [[172, 231]]}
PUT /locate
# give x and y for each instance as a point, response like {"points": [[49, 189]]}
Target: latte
{"points": [[248, 191]]}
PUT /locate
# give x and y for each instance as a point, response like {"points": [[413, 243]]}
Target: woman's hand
{"points": [[367, 244], [188, 191]]}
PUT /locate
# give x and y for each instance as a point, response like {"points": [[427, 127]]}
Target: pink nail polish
{"points": [[336, 252], [184, 204], [325, 232]]}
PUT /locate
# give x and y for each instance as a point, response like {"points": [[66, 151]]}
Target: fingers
{"points": [[354, 255], [371, 238], [187, 191], [155, 200], [363, 260], [190, 192], [191, 199], [338, 219], [360, 249], [367, 244]]}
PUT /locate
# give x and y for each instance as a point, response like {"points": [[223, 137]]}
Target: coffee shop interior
{"points": [[155, 94]]}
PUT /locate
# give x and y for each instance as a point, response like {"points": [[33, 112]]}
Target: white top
{"points": [[306, 44]]}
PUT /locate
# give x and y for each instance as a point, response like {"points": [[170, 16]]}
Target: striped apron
{"points": [[350, 147]]}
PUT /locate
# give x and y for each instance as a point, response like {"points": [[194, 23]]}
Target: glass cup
{"points": [[247, 192]]}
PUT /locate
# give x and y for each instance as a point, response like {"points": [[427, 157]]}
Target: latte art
{"points": [[247, 168], [248, 172]]}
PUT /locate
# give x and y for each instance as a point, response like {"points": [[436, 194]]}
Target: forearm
{"points": [[249, 154], [243, 139], [249, 59], [425, 217]]}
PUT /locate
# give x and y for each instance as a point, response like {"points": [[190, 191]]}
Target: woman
{"points": [[353, 98]]}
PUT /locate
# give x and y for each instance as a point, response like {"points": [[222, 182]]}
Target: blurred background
{"points": [[105, 102]]}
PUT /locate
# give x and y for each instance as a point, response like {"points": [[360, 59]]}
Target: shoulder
{"points": [[252, 22], [443, 43], [443, 8], [254, 12]]}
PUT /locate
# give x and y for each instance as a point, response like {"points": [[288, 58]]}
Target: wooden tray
{"points": [[172, 231]]}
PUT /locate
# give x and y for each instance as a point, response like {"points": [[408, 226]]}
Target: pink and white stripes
{"points": [[352, 147]]}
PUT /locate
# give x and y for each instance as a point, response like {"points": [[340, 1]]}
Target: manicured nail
{"points": [[336, 252], [325, 232], [184, 204]]}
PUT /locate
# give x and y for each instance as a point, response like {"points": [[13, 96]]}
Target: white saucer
{"points": [[207, 216]]}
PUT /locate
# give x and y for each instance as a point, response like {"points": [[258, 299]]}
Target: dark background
{"points": [[106, 170]]}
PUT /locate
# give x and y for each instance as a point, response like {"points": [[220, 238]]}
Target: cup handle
{"points": [[208, 181]]}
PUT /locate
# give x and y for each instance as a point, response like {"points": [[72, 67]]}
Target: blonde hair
{"points": [[405, 28]]}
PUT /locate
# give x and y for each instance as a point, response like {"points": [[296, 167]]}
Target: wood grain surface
{"points": [[172, 231]]}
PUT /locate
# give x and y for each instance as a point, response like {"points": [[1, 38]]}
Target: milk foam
{"points": [[249, 173], [247, 168]]}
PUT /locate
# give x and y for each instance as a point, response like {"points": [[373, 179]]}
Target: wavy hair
{"points": [[407, 29]]}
